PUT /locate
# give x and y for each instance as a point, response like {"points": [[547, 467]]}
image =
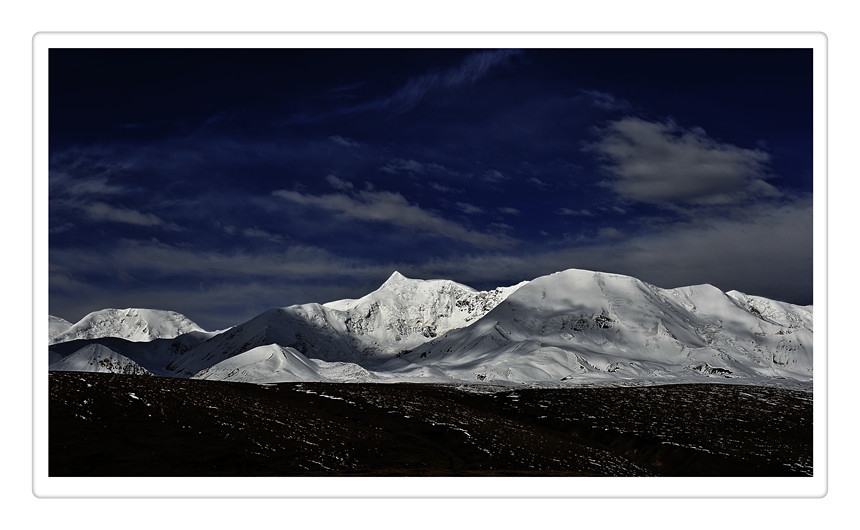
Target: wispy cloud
{"points": [[159, 259], [62, 184], [663, 163], [344, 141], [401, 165], [258, 233], [469, 208], [470, 70], [568, 211], [538, 183], [609, 233], [494, 175], [605, 100], [393, 209], [420, 88], [100, 211], [443, 188]]}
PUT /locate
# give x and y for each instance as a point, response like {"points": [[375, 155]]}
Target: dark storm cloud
{"points": [[663, 163]]}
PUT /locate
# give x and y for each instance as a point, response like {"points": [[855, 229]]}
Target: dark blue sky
{"points": [[220, 183]]}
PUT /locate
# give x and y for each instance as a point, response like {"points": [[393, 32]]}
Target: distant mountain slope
{"points": [[57, 326], [154, 355], [584, 325], [138, 325], [98, 358]]}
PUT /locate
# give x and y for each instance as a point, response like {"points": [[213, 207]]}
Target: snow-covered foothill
{"points": [[263, 364], [98, 358], [278, 364]]}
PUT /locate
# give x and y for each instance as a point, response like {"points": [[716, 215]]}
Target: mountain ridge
{"points": [[569, 327]]}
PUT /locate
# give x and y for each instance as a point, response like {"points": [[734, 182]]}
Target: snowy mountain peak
{"points": [[133, 324], [395, 279], [583, 325]]}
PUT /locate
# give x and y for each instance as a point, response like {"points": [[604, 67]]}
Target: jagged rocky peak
{"points": [[404, 312]]}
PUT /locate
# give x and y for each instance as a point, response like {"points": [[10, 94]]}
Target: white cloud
{"points": [[494, 175], [262, 234], [338, 183], [663, 163], [609, 233], [296, 262], [469, 208], [538, 182], [606, 100], [392, 208], [766, 253], [63, 184], [344, 141], [400, 165], [443, 188], [568, 211], [470, 70], [100, 211]]}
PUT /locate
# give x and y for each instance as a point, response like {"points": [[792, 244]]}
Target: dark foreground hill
{"points": [[118, 425]]}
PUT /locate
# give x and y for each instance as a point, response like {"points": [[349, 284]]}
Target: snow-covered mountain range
{"points": [[571, 327]]}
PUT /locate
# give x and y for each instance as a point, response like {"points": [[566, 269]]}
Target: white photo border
{"points": [[425, 487]]}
